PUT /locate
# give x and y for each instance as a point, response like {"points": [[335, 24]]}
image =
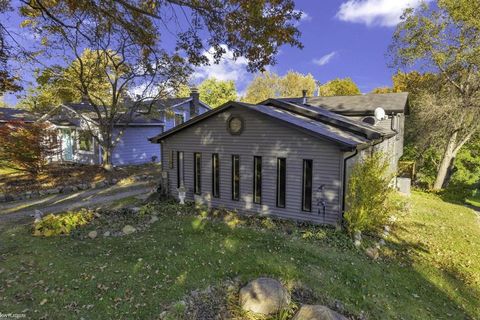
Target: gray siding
{"points": [[264, 137]]}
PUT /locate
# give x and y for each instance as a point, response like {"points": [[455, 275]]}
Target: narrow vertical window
{"points": [[307, 185], [180, 169], [170, 159], [215, 175], [235, 177], [197, 173], [257, 179], [281, 181]]}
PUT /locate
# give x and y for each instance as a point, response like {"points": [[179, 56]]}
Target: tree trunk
{"points": [[448, 155], [107, 158]]}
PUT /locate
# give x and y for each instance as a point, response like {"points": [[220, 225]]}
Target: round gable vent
{"points": [[370, 120]]}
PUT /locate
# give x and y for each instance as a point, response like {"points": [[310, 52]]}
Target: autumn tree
{"points": [[26, 146], [339, 87], [270, 85], [125, 38], [445, 39], [212, 91]]}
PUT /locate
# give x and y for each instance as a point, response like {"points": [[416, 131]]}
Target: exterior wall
{"points": [[181, 109], [134, 147], [265, 137]]}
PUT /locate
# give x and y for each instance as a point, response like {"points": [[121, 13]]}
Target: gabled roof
{"points": [[360, 105], [12, 114], [316, 127]]}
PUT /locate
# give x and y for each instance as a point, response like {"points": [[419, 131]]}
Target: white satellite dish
{"points": [[380, 114]]}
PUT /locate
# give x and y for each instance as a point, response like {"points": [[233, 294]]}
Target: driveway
{"points": [[19, 210]]}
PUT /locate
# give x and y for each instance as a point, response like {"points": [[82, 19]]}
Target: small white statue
{"points": [[182, 193]]}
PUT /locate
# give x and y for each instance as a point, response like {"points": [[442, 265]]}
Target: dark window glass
{"points": [[180, 169], [257, 179], [179, 119], [281, 181], [215, 175], [235, 177], [170, 159], [197, 173], [307, 185]]}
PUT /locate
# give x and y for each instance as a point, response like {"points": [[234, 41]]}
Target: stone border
{"points": [[69, 189]]}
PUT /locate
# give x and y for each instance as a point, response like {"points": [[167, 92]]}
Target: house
{"points": [[79, 146], [12, 114], [284, 157]]}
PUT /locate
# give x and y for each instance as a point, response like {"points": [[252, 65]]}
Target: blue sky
{"points": [[342, 38]]}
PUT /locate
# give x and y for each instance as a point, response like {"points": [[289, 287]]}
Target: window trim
{"points": [[235, 197], [216, 176], [284, 205], [255, 190], [175, 118], [179, 181], [304, 208], [197, 173]]}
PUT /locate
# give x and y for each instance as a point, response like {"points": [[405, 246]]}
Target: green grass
{"points": [[431, 271], [474, 201]]}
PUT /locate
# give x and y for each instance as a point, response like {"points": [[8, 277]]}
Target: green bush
{"points": [[368, 193], [53, 225]]}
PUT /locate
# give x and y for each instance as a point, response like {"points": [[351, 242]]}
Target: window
{"points": [[235, 177], [180, 169], [179, 119], [257, 179], [85, 141], [170, 159], [215, 175], [281, 181], [197, 173], [307, 185]]}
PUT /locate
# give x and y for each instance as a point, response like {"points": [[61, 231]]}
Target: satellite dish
{"points": [[380, 114]]}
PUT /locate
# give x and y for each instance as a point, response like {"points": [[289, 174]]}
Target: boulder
{"points": [[317, 312], [153, 219], [128, 229], [67, 189], [264, 296], [106, 234], [92, 234], [52, 191]]}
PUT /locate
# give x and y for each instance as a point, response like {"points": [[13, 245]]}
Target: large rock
{"points": [[317, 312], [128, 229], [264, 295], [92, 234]]}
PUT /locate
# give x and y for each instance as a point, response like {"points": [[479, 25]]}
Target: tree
{"points": [[124, 37], [270, 85], [26, 146], [212, 91], [217, 92], [380, 90], [339, 87], [8, 82], [445, 39]]}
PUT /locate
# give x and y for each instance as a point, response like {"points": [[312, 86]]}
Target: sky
{"points": [[341, 38]]}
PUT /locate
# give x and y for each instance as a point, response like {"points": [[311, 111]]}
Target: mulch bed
{"points": [[61, 175]]}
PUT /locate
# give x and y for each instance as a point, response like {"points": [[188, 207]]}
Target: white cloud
{"points": [[227, 69], [305, 16], [384, 13], [325, 59]]}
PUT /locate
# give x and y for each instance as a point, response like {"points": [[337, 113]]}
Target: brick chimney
{"points": [[304, 96], [195, 102]]}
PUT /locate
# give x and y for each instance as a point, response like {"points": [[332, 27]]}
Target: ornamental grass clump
{"points": [[53, 225], [368, 193]]}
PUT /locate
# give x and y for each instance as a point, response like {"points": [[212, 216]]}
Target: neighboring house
{"points": [[12, 114], [133, 147], [284, 157]]}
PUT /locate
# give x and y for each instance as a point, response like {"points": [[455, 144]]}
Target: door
{"points": [[67, 145]]}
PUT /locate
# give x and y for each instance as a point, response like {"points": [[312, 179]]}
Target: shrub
{"points": [[27, 146], [368, 193], [52, 225]]}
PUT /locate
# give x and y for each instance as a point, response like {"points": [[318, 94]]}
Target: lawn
{"points": [[431, 269]]}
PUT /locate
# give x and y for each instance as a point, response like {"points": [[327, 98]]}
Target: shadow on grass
{"points": [[137, 276]]}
